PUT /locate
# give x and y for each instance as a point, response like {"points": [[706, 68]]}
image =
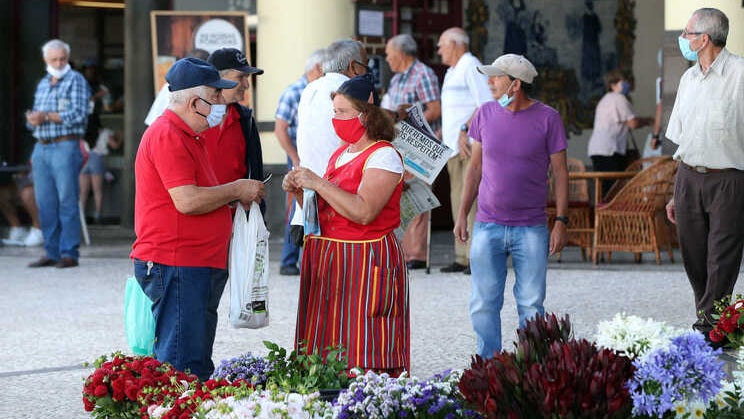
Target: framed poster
{"points": [[176, 35]]}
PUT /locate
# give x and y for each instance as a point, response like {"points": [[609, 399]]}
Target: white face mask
{"points": [[216, 113], [58, 74]]}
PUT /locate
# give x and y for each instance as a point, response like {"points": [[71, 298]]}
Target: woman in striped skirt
{"points": [[353, 280]]}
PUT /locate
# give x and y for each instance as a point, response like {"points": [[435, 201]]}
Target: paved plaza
{"points": [[56, 319]]}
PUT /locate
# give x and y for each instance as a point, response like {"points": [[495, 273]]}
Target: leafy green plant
{"points": [[303, 372]]}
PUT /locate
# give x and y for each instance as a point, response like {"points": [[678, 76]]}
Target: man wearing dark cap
{"points": [[515, 140], [182, 219], [234, 146]]}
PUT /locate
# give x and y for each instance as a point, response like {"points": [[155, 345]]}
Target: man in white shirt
{"points": [[707, 123], [316, 138], [463, 91]]}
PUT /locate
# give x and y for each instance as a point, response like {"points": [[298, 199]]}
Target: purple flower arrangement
{"points": [[381, 396], [689, 369], [253, 369]]}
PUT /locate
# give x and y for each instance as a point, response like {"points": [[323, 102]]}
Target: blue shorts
{"points": [[95, 165]]}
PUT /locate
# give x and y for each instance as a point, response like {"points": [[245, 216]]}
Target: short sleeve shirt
{"points": [[417, 84], [289, 101], [516, 150], [171, 154], [611, 132]]}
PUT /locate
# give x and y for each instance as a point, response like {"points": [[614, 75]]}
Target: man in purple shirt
{"points": [[515, 138]]}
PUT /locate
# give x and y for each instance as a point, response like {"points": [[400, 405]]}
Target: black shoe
{"points": [[42, 263], [66, 262], [415, 264], [466, 271], [289, 270], [454, 267]]}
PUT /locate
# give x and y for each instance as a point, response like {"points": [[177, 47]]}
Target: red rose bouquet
{"points": [[729, 322], [125, 386]]}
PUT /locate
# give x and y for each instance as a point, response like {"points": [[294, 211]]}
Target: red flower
{"points": [[100, 391], [716, 335], [88, 404]]}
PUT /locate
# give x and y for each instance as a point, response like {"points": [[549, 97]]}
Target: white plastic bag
{"points": [[249, 270]]}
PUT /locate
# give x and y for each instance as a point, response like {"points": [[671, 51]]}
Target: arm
{"points": [[195, 200], [463, 142], [363, 207], [640, 122], [559, 235], [281, 131], [469, 192], [433, 110]]}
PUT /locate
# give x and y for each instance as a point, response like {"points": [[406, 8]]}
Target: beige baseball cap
{"points": [[511, 65]]}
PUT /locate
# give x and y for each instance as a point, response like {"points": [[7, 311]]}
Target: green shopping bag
{"points": [[139, 322]]}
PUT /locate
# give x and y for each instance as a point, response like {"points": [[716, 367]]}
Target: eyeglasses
{"points": [[366, 69], [685, 34]]}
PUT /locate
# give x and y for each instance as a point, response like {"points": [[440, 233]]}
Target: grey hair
{"points": [[55, 44], [314, 59], [183, 96], [405, 44], [458, 36], [340, 54], [712, 22]]}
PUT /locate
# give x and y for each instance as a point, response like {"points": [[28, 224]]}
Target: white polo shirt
{"points": [[707, 121], [463, 91]]}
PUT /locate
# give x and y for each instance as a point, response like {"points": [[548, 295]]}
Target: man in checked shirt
{"points": [[58, 120]]}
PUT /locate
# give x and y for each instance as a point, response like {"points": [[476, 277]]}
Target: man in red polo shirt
{"points": [[182, 219]]}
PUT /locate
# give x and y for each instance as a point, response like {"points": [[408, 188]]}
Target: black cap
{"points": [[191, 72], [360, 88], [233, 59]]}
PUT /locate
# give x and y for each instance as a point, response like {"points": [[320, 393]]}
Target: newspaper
{"points": [[416, 199], [417, 120], [423, 156]]}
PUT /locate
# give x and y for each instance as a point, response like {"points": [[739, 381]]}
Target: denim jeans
{"points": [[491, 246], [290, 252], [184, 304], [56, 167]]}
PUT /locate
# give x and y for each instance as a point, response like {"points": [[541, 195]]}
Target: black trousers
{"points": [[709, 210], [613, 163]]}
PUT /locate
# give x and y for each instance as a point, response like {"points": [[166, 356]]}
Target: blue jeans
{"points": [[290, 252], [491, 246], [56, 187], [184, 304]]}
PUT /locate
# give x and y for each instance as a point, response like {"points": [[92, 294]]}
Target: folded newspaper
{"points": [[423, 155]]}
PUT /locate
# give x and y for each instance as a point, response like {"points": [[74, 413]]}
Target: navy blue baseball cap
{"points": [[191, 72], [234, 59], [360, 88]]}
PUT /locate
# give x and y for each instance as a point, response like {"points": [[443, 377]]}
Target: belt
{"points": [[60, 139], [705, 170]]}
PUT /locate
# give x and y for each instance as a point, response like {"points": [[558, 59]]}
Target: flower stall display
{"points": [[729, 322], [248, 367], [634, 336], [549, 375], [266, 404], [123, 386], [379, 396], [687, 371]]}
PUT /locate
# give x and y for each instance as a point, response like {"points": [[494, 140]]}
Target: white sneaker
{"points": [[34, 238], [17, 234]]}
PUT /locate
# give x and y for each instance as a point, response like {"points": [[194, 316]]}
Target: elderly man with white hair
{"points": [[182, 218], [463, 91], [58, 120]]}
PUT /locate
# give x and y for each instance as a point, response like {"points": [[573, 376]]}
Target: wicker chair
{"points": [[636, 166], [579, 208], [635, 220]]}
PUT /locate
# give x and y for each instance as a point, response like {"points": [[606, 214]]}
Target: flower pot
{"points": [[330, 394], [728, 356]]}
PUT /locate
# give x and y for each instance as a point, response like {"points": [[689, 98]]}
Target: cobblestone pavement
{"points": [[55, 320]]}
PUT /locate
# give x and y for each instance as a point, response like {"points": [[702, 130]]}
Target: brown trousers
{"points": [[457, 167], [709, 210]]}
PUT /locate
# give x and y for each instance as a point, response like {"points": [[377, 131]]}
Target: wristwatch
{"points": [[562, 218], [464, 127]]}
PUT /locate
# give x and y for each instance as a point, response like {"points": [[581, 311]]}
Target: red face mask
{"points": [[349, 130]]}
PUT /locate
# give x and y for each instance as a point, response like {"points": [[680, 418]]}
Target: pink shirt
{"points": [[610, 133]]}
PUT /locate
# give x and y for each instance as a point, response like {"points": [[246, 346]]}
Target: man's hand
{"points": [[402, 112], [36, 118], [463, 142], [250, 190], [558, 237], [671, 215], [461, 230]]}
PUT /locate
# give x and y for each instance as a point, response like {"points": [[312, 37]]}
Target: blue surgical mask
{"points": [[505, 99], [216, 113], [687, 52], [625, 89]]}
